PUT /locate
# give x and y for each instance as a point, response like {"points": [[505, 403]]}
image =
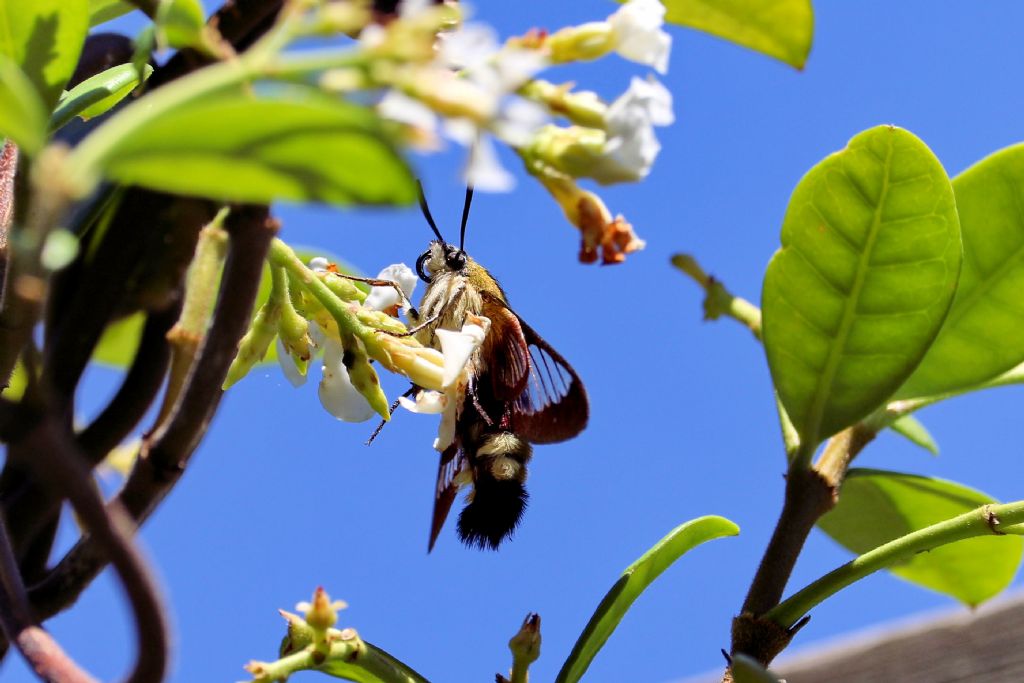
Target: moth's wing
{"points": [[552, 404], [447, 489], [508, 356]]}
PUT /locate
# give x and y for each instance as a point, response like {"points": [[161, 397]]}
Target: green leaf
{"points": [[876, 507], [867, 270], [44, 38], [909, 427], [96, 95], [983, 336], [102, 11], [234, 148], [782, 29], [180, 23], [22, 114], [637, 577], [747, 670], [387, 669]]}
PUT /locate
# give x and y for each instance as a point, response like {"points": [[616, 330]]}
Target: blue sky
{"points": [[281, 497]]}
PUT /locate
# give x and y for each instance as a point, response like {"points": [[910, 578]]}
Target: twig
{"points": [[166, 452], [718, 300], [977, 522], [56, 461]]}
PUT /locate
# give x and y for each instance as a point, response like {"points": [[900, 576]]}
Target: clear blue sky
{"points": [[282, 498]]}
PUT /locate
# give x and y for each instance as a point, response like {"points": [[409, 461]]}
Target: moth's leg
{"points": [[432, 320], [391, 411], [373, 282], [471, 392]]}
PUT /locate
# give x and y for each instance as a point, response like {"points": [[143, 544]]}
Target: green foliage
{"points": [[96, 95], [876, 507], [637, 577], [44, 38], [386, 668], [236, 148], [102, 11], [782, 29], [119, 342], [983, 336], [867, 270], [747, 670], [180, 23], [22, 114], [917, 433]]}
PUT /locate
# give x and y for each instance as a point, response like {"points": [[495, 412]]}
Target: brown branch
{"points": [[56, 461], [41, 652], [810, 493], [167, 451]]}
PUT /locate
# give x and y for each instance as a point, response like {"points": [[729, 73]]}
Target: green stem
{"points": [[980, 522], [351, 658], [718, 300]]}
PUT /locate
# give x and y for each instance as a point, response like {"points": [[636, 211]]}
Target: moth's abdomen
{"points": [[499, 494]]}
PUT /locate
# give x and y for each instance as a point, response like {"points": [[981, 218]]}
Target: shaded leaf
{"points": [[44, 38], [782, 29], [876, 507], [747, 670], [983, 336], [22, 114], [866, 273], [911, 428], [96, 95], [233, 148], [119, 342], [102, 11], [637, 577]]}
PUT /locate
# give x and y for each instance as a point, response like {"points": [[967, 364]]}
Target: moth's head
{"points": [[439, 258]]}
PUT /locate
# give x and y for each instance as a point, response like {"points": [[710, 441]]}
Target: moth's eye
{"points": [[421, 263], [456, 260]]}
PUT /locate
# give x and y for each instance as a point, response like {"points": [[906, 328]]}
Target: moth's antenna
{"points": [[426, 213], [465, 216]]}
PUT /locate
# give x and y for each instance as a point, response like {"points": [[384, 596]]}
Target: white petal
{"points": [[318, 264], [458, 348], [427, 403], [446, 430], [288, 367], [382, 298], [400, 107], [637, 26], [484, 171], [337, 395], [410, 8], [519, 121], [515, 66], [469, 47], [646, 100]]}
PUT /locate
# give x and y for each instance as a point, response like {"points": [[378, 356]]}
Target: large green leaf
{"points": [[96, 95], [22, 115], [44, 37], [876, 507], [236, 148], [180, 23], [637, 577], [102, 11], [867, 270], [983, 336], [778, 28]]}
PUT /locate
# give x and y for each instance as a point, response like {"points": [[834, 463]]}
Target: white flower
{"points": [[383, 298], [640, 38], [398, 106], [337, 395], [458, 348], [632, 145]]}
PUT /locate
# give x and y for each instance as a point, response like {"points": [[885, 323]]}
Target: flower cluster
{"points": [[469, 87]]}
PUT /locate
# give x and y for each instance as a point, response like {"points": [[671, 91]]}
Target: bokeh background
{"points": [[281, 497]]}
